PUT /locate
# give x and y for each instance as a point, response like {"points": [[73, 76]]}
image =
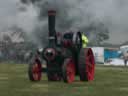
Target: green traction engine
{"points": [[65, 58]]}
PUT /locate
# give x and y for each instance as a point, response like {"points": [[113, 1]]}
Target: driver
{"points": [[84, 40]]}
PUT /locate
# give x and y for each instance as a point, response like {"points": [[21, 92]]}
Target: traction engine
{"points": [[65, 58]]}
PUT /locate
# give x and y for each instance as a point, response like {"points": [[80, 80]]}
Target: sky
{"points": [[113, 13]]}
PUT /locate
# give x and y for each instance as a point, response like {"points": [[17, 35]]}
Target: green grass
{"points": [[109, 81]]}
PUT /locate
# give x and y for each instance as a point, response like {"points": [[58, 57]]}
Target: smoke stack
{"points": [[51, 23]]}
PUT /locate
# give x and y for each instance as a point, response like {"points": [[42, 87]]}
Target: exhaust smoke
{"points": [[71, 15]]}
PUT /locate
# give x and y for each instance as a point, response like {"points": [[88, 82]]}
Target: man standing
{"points": [[84, 40], [125, 57]]}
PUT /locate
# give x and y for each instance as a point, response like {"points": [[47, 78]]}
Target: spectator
{"points": [[125, 57]]}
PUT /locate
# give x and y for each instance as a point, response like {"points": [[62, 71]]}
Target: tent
{"points": [[98, 54], [111, 53]]}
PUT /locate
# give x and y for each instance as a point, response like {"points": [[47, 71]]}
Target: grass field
{"points": [[109, 81]]}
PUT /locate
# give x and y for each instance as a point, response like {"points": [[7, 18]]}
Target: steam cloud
{"points": [[71, 14]]}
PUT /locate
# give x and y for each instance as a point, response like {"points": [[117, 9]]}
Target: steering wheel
{"points": [[77, 39]]}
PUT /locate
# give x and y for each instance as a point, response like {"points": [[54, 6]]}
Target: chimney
{"points": [[51, 24]]}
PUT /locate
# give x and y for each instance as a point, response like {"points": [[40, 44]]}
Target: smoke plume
{"points": [[71, 15]]}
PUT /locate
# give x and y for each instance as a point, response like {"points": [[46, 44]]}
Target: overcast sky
{"points": [[8, 11], [114, 13]]}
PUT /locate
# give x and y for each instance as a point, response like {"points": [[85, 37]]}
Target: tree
{"points": [[97, 33]]}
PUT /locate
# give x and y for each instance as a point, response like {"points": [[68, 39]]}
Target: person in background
{"points": [[84, 40], [125, 57]]}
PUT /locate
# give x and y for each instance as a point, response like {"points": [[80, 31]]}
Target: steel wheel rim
{"points": [[36, 71], [90, 64], [70, 71]]}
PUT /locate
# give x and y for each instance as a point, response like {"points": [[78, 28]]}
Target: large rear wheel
{"points": [[86, 64], [68, 70], [35, 69]]}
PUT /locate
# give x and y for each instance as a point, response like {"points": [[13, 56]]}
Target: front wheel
{"points": [[68, 70], [34, 70]]}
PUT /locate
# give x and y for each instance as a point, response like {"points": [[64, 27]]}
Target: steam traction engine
{"points": [[64, 56]]}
